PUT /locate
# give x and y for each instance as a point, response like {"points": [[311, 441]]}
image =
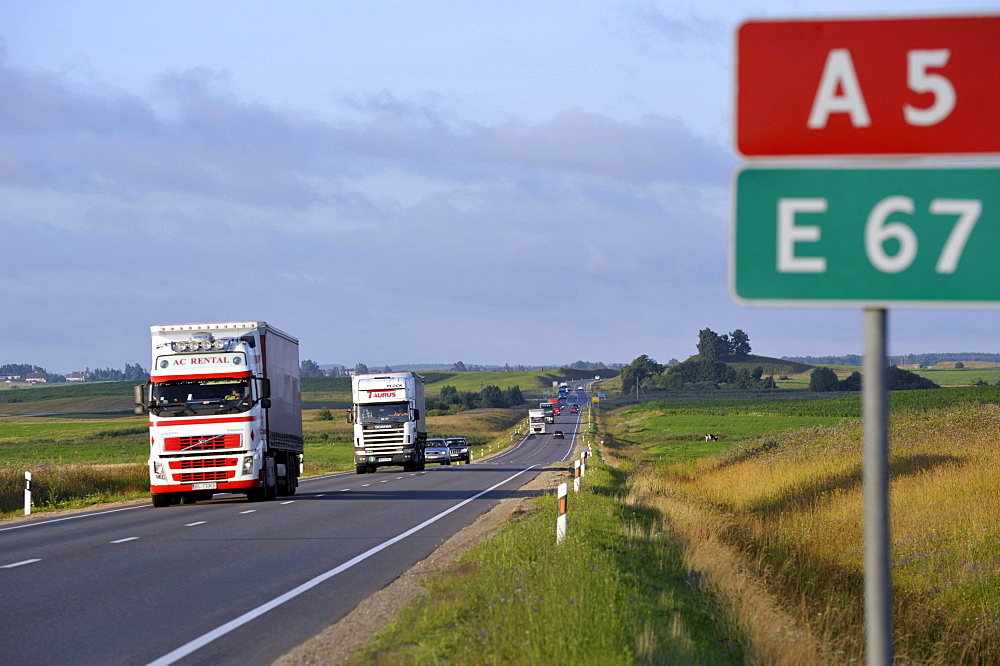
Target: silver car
{"points": [[437, 451]]}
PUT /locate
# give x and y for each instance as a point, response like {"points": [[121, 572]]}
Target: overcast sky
{"points": [[391, 182]]}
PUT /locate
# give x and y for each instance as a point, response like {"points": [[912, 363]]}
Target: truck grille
{"points": [[384, 441], [204, 443], [203, 463], [195, 477]]}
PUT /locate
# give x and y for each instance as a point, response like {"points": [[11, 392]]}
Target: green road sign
{"points": [[875, 237]]}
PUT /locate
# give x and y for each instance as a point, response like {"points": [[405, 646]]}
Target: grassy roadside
{"points": [[616, 591]]}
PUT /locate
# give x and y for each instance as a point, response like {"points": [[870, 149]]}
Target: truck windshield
{"points": [[203, 396], [394, 412]]}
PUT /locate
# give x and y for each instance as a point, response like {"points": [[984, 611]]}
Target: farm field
{"points": [[791, 502], [963, 377]]}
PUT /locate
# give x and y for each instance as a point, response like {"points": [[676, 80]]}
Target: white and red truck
{"points": [[390, 427], [224, 412]]}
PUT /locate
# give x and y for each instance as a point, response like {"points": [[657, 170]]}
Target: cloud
{"points": [[193, 204]]}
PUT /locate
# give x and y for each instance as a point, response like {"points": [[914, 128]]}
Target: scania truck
{"points": [[224, 412], [390, 427], [536, 421]]}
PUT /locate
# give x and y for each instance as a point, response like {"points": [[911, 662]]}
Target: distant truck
{"points": [[536, 421], [390, 426], [562, 390], [224, 412], [550, 411]]}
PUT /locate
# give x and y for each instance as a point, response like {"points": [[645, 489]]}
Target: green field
{"points": [[964, 377]]}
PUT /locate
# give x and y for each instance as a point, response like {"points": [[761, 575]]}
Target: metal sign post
{"points": [[878, 577]]}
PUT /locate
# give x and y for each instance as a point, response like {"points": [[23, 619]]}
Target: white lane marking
{"points": [[20, 564], [320, 495], [200, 522], [384, 481], [324, 476], [572, 440], [344, 490], [399, 477], [84, 515], [365, 485], [289, 502], [248, 511], [232, 625], [125, 539]]}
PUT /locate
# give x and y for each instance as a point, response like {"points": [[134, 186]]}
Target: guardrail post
{"points": [[27, 493], [583, 464], [561, 520], [576, 476]]}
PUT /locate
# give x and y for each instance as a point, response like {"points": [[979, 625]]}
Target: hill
{"points": [[772, 366]]}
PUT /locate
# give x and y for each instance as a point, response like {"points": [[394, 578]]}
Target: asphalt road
{"points": [[233, 582]]}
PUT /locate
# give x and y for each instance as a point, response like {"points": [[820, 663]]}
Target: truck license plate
{"points": [[204, 486], [385, 459]]}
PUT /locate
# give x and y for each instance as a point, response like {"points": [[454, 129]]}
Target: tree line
{"points": [[925, 360], [823, 380], [451, 400], [130, 373]]}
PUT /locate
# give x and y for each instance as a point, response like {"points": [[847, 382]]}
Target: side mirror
{"points": [[350, 415], [416, 414], [265, 389], [265, 403], [139, 398]]}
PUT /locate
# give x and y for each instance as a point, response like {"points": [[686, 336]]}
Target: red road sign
{"points": [[900, 86]]}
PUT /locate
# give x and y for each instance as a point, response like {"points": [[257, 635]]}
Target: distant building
{"points": [[75, 377], [11, 378], [35, 378]]}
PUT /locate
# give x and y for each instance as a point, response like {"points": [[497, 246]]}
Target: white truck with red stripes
{"points": [[390, 427], [224, 412]]}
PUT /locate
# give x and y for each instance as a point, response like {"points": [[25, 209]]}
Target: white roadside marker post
{"points": [[561, 520], [576, 476], [27, 493]]}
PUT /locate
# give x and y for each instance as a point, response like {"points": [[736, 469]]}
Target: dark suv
{"points": [[459, 449]]}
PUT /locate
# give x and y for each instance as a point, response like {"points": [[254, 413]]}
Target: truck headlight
{"points": [[158, 470], [247, 465]]}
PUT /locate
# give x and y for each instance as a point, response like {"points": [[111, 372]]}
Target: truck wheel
{"points": [[361, 469], [161, 500], [256, 495], [372, 469]]}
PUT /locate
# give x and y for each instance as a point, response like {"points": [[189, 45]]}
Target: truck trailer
{"points": [[536, 421], [390, 426], [224, 412]]}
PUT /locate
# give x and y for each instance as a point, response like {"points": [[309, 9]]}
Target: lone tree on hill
{"points": [[712, 346]]}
